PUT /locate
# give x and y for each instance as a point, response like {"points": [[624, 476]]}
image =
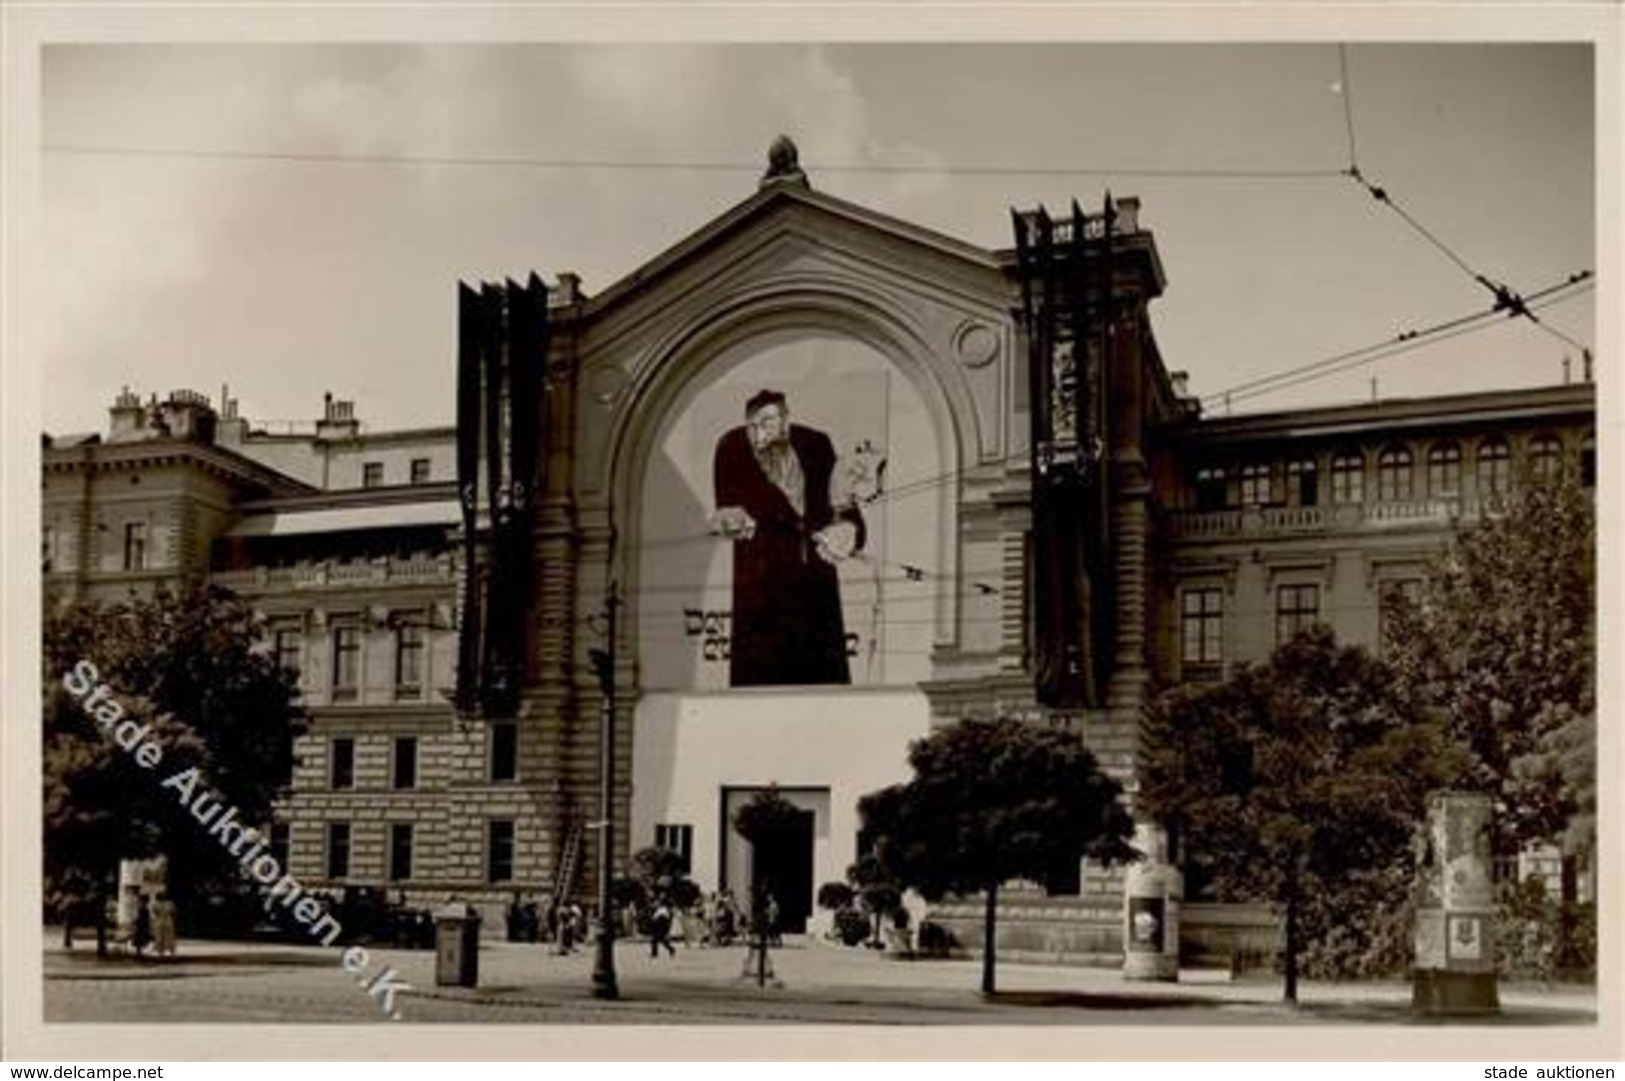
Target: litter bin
{"points": [[457, 946]]}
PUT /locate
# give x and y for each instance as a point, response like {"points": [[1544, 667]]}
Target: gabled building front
{"points": [[782, 477]]}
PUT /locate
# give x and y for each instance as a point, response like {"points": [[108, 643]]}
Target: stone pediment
{"points": [[820, 221], [793, 260]]}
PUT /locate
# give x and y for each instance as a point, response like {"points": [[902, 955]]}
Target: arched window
{"points": [[1255, 484], [1394, 472], [1494, 467], [1444, 471], [1212, 489], [1348, 477], [1545, 459]]}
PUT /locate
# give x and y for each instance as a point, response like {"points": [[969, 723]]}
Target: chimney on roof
{"points": [[338, 419], [127, 418], [230, 429], [189, 415], [1585, 358]]}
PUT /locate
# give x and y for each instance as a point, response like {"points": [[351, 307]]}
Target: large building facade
{"points": [[382, 561]]}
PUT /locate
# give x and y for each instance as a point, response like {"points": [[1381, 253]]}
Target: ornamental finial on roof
{"points": [[783, 164]]}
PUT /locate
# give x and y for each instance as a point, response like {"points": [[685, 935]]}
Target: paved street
{"points": [[236, 982]]}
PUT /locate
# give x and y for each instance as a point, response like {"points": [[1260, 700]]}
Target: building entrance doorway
{"points": [[788, 869], [786, 872]]}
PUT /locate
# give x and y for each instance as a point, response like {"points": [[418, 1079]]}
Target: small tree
{"points": [[992, 801], [1295, 781], [663, 876], [193, 665], [877, 891]]}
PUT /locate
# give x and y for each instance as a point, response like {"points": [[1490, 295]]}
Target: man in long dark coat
{"points": [[772, 486]]}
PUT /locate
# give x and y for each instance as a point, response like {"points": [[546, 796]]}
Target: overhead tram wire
{"points": [[1573, 282], [1506, 298], [1393, 347], [1348, 102], [525, 162]]}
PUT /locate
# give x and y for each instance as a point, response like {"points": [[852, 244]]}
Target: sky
{"points": [[291, 219]]}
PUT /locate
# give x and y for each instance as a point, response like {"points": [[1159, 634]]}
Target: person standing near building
{"points": [[142, 936], [163, 926], [773, 501]]}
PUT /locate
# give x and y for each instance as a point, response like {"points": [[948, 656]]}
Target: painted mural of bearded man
{"points": [[772, 483]]}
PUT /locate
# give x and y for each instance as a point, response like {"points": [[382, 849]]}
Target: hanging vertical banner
{"points": [[1066, 288], [502, 340], [469, 620]]}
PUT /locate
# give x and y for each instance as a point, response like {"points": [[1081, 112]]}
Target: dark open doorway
{"points": [[787, 874], [789, 869]]}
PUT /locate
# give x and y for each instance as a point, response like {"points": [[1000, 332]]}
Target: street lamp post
{"points": [[604, 984]]}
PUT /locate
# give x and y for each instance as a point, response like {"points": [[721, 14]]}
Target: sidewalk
{"points": [[815, 982]]}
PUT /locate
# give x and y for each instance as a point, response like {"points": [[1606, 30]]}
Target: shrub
{"points": [[835, 896], [936, 940], [851, 926]]}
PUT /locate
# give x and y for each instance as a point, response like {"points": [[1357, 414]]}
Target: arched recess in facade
{"points": [[670, 369]]}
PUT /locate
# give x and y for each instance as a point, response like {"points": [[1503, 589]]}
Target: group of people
{"points": [[154, 926]]}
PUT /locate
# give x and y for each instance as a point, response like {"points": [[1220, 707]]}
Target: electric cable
{"points": [[606, 164], [1398, 346], [1578, 282]]}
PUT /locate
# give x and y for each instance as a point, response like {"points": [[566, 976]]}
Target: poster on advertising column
{"points": [[788, 529]]}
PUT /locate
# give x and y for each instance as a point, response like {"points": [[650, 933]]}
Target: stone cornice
{"points": [[214, 461]]}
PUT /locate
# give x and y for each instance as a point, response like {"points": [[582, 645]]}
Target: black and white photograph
{"points": [[1057, 534]]}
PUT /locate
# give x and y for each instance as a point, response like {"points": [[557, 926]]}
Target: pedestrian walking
{"points": [[660, 930], [163, 926]]}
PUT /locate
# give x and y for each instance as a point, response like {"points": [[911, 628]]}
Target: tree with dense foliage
{"points": [[1298, 781], [663, 874], [1500, 644], [992, 801], [195, 667]]}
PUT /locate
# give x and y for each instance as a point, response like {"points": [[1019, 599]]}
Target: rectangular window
{"points": [[400, 851], [1297, 608], [338, 850], [405, 772], [48, 549], [504, 751], [499, 851], [342, 773], [420, 471], [280, 850], [372, 474], [409, 659], [286, 649], [135, 546], [1255, 485], [679, 839], [1201, 638], [346, 660]]}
